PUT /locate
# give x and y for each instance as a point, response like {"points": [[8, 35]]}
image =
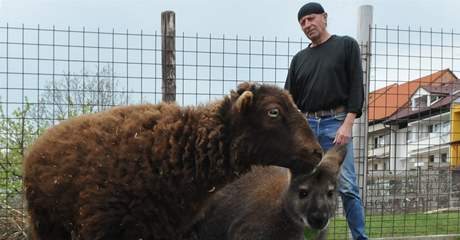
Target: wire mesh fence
{"points": [[411, 175], [413, 171]]}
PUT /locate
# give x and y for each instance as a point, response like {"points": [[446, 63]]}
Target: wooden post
{"points": [[168, 55]]}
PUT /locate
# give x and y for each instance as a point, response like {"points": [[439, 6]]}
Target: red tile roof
{"points": [[386, 101], [448, 92]]}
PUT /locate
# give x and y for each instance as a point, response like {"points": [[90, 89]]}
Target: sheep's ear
{"points": [[333, 159], [244, 101]]}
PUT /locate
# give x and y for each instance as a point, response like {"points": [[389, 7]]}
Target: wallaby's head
{"points": [[311, 198]]}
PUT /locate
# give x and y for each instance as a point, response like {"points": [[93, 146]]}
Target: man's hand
{"points": [[343, 134]]}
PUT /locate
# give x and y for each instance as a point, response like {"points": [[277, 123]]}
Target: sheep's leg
{"points": [[96, 223], [102, 217], [42, 229], [109, 230]]}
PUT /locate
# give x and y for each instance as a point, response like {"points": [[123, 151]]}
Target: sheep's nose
{"points": [[318, 220]]}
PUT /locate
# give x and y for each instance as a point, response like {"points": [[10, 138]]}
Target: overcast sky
{"points": [[243, 18], [268, 18]]}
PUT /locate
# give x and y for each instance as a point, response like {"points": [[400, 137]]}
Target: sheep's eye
{"points": [[273, 113], [303, 193], [330, 193]]}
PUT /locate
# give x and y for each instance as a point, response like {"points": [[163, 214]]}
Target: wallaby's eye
{"points": [[303, 193], [273, 113], [330, 193]]}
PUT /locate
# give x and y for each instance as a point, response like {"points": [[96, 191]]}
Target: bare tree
{"points": [[76, 94]]}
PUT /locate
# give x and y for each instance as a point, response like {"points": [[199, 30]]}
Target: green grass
{"points": [[395, 225]]}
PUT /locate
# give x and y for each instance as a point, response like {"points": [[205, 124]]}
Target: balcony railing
{"points": [[432, 140], [379, 151]]}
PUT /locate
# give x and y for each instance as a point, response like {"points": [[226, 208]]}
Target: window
{"points": [[434, 98], [375, 167], [430, 128], [431, 159], [379, 141], [444, 157], [411, 134], [419, 102], [445, 127], [435, 127], [424, 132]]}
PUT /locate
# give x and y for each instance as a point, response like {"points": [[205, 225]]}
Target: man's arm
{"points": [[343, 134], [356, 97], [355, 78]]}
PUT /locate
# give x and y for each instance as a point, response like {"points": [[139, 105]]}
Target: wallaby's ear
{"points": [[333, 159]]}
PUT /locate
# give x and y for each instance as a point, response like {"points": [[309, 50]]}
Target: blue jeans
{"points": [[325, 130]]}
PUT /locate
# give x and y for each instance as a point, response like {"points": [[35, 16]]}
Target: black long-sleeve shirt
{"points": [[327, 76]]}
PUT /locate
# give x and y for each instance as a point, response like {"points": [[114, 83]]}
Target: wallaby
{"points": [[268, 204]]}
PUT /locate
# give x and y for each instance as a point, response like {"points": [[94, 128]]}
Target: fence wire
{"points": [[410, 182], [413, 171]]}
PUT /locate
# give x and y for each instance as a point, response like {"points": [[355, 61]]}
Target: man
{"points": [[325, 80]]}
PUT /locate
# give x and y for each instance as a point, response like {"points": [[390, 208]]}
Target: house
{"points": [[414, 136], [423, 128], [409, 123]]}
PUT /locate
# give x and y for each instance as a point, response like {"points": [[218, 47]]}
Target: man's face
{"points": [[313, 25]]}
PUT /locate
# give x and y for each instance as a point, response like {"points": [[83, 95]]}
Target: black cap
{"points": [[309, 8]]}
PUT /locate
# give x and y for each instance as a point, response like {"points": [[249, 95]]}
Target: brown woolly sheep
{"points": [[143, 172], [267, 204]]}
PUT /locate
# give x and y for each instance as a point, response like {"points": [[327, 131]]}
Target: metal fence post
{"points": [[168, 55], [360, 129]]}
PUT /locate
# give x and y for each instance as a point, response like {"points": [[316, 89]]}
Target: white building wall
{"points": [[415, 150], [408, 152], [400, 157]]}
